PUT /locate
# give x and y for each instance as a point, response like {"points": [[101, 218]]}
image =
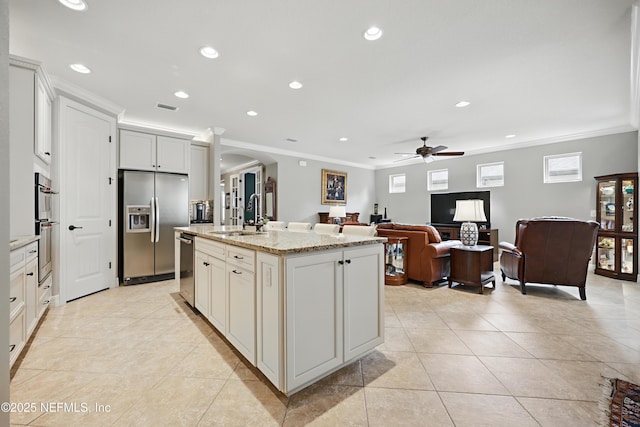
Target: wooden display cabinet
{"points": [[616, 212]]}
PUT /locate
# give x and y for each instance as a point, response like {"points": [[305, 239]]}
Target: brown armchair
{"points": [[427, 254], [552, 251]]}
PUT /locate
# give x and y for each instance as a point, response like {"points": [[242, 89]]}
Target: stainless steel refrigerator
{"points": [[151, 205]]}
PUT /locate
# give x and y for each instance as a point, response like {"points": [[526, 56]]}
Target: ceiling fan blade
{"points": [[406, 153], [449, 153], [437, 149], [406, 158]]}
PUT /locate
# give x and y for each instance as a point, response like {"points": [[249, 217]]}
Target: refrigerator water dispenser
{"points": [[138, 219]]}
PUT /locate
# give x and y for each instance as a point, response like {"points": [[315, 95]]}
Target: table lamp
{"points": [[337, 212], [468, 211]]}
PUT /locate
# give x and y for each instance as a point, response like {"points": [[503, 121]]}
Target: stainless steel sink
{"points": [[237, 233]]}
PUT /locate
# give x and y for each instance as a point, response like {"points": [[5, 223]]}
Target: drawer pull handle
{"points": [[33, 251], [11, 347], [348, 261], [12, 299], [238, 257], [237, 272], [30, 274], [45, 302], [47, 287], [206, 264]]}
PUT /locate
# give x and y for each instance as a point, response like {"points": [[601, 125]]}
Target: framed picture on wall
{"points": [[334, 187]]}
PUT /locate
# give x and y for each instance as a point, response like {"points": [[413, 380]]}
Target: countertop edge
{"points": [[241, 242], [19, 242]]}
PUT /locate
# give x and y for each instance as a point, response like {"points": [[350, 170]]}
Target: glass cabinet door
{"points": [[607, 198], [607, 253], [626, 256], [627, 205]]}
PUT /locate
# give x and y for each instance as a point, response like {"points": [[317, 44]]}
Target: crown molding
{"points": [[290, 153], [38, 68], [85, 97], [156, 130]]}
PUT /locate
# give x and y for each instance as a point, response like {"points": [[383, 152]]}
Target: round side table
{"points": [[395, 259]]}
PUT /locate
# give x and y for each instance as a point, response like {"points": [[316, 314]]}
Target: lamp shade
{"points": [[337, 212], [469, 210]]}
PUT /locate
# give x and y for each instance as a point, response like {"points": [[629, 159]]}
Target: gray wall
{"points": [[4, 209], [524, 194], [299, 189]]}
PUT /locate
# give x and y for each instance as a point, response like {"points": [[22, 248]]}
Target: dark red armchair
{"points": [[552, 251]]}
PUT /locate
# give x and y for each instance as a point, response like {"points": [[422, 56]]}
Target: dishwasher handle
{"points": [[185, 241]]}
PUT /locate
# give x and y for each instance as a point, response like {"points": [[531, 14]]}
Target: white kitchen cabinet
{"points": [[25, 297], [145, 151], [202, 282], [42, 121], [241, 297], [269, 322], [44, 296], [199, 173], [218, 294], [334, 311]]}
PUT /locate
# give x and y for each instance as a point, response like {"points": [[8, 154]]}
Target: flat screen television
{"points": [[443, 207]]}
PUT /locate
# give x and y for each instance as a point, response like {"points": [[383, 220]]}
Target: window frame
{"points": [[479, 168], [391, 181], [548, 179], [430, 185]]}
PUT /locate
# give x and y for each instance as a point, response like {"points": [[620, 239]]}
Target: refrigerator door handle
{"points": [[157, 221], [152, 225]]}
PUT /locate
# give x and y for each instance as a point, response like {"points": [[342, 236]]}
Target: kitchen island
{"points": [[298, 306]]}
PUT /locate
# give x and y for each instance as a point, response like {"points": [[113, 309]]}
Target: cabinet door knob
{"points": [[11, 347], [206, 264], [47, 153], [341, 262], [30, 274], [12, 299], [348, 261], [237, 272]]}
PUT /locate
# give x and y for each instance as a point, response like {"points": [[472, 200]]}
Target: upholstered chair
{"points": [[359, 230], [320, 228], [275, 225], [550, 250], [303, 227]]}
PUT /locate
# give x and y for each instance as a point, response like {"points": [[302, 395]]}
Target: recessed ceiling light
{"points": [[181, 94], [209, 52], [291, 140], [251, 113], [80, 68], [372, 33], [344, 139], [372, 158], [74, 4], [295, 84], [510, 136], [463, 104]]}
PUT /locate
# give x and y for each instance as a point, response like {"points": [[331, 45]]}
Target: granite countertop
{"points": [[276, 241], [20, 241]]}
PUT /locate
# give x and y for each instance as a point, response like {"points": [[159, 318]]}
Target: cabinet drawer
{"points": [[43, 301], [241, 257], [31, 251], [45, 287], [16, 337], [17, 259], [16, 293], [215, 249]]}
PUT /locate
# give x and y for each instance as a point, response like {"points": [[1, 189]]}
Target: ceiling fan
{"points": [[427, 152]]}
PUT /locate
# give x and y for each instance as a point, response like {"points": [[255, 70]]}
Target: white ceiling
{"points": [[540, 69]]}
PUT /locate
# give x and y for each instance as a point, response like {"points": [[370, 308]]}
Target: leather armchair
{"points": [[553, 251], [427, 254]]}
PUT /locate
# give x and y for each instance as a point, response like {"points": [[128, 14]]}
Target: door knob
{"points": [[73, 227]]}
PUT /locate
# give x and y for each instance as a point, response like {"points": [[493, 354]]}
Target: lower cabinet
{"points": [[296, 317], [27, 300]]}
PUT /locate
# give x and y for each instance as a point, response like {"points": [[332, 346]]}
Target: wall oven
{"points": [[44, 223]]}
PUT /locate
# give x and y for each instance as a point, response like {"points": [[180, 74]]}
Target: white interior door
{"points": [[87, 200]]}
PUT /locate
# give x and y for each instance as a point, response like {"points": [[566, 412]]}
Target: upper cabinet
{"points": [[199, 173], [145, 151], [42, 146]]}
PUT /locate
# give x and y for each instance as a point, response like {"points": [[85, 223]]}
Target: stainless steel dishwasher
{"points": [[187, 279]]}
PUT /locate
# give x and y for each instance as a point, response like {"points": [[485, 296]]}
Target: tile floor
{"points": [[451, 357]]}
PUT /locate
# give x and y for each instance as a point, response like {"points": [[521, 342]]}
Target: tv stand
{"points": [[486, 236]]}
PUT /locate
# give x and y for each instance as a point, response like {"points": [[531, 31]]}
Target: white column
{"points": [[216, 152]]}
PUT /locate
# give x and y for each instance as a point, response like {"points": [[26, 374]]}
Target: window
{"points": [[563, 168], [490, 175], [397, 183], [438, 180]]}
